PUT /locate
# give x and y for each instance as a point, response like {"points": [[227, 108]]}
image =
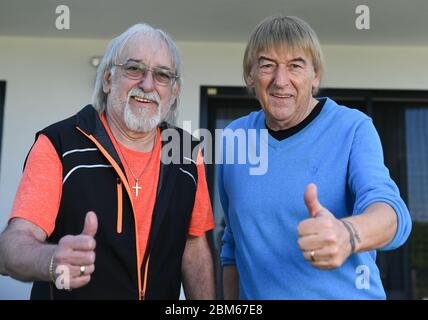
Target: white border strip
{"points": [[85, 166], [187, 172], [190, 159], [79, 150]]}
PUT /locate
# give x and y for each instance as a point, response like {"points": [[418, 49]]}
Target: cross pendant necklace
{"points": [[136, 187]]}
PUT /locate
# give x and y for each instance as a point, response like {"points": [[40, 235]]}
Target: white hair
{"points": [[111, 56]]}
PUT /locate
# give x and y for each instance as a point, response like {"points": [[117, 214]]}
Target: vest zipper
{"points": [[146, 269], [119, 206], [122, 177]]}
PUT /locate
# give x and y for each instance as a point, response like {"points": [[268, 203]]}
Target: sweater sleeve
{"points": [[227, 254], [370, 182]]}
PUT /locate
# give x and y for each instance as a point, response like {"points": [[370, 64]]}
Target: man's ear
{"points": [[107, 81], [176, 90], [249, 79], [316, 83]]}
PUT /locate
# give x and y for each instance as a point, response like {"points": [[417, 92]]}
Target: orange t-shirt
{"points": [[40, 204]]}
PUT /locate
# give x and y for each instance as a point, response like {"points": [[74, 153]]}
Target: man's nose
{"points": [[281, 76], [147, 83]]}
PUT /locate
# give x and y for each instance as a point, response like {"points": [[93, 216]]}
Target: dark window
{"points": [[2, 96]]}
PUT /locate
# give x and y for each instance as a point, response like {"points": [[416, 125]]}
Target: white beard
{"points": [[141, 122], [139, 119]]}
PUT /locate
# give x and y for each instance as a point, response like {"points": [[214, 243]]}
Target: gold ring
{"points": [[82, 270], [312, 254]]}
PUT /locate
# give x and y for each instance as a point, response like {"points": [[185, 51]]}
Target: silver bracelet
{"points": [[52, 269]]}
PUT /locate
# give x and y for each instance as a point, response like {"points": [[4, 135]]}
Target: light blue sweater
{"points": [[339, 151]]}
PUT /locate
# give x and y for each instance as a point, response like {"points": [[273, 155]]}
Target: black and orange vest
{"points": [[94, 179]]}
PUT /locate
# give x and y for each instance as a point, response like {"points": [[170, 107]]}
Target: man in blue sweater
{"points": [[309, 226]]}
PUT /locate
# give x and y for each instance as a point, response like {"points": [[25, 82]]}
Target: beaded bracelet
{"points": [[351, 236]]}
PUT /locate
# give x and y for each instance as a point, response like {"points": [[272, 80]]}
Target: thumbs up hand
{"points": [[323, 239], [91, 224], [77, 253], [311, 201]]}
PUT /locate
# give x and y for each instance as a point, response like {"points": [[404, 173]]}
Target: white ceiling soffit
{"points": [[392, 22]]}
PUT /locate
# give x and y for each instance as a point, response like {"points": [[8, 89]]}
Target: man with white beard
{"points": [[98, 214]]}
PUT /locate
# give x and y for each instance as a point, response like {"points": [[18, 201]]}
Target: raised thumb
{"points": [[91, 224], [311, 200]]}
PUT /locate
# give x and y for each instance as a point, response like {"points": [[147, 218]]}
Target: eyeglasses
{"points": [[138, 71]]}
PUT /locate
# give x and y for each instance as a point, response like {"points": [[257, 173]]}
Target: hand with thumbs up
{"points": [[323, 239], [77, 253]]}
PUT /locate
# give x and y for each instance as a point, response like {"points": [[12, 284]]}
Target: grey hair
{"points": [[111, 57], [278, 31]]}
